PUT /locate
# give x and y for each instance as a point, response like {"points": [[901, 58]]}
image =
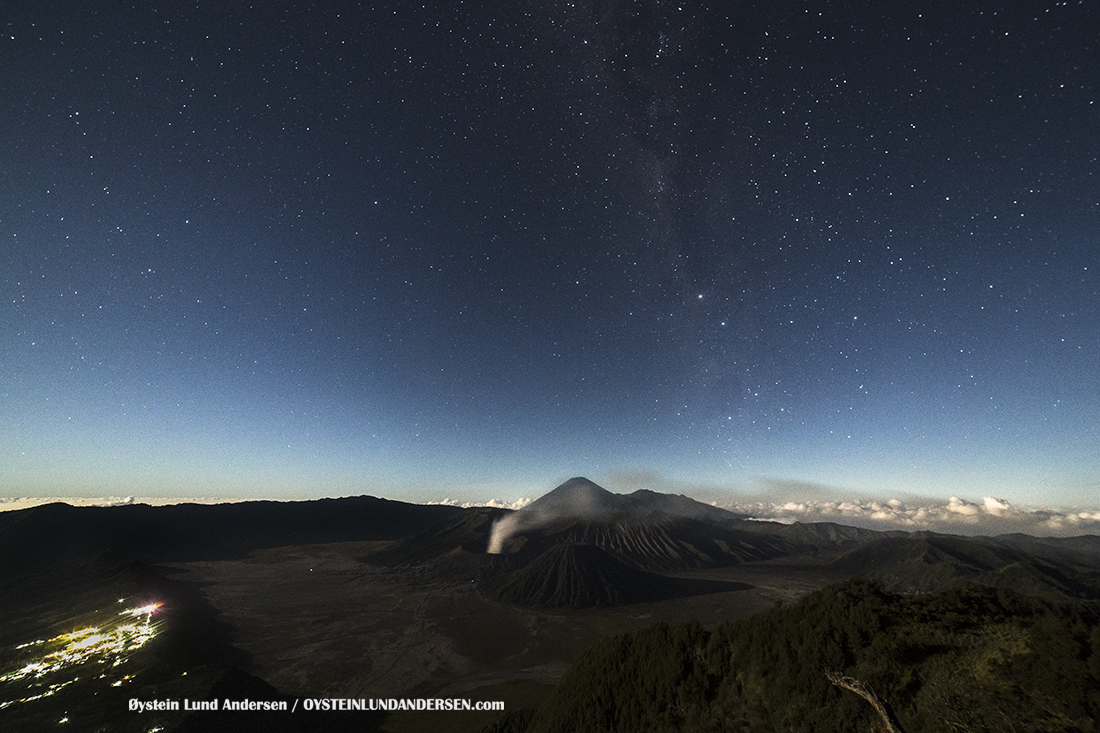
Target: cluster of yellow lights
{"points": [[93, 644]]}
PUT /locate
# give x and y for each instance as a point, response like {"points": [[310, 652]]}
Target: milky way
{"points": [[470, 250]]}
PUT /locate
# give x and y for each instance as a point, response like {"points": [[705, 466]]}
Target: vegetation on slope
{"points": [[926, 563], [969, 659]]}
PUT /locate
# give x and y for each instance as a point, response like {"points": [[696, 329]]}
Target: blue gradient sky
{"points": [[473, 251]]}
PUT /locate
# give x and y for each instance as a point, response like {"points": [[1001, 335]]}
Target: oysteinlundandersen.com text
{"points": [[394, 704]]}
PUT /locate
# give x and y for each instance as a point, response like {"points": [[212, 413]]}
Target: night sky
{"points": [[473, 249]]}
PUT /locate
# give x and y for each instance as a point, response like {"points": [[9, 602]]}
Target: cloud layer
{"points": [[990, 516], [771, 499], [493, 503], [26, 502]]}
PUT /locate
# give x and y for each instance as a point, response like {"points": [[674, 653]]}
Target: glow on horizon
{"points": [[987, 515]]}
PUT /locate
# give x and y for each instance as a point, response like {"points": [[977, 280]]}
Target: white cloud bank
{"points": [[492, 503], [770, 499], [991, 516], [26, 502]]}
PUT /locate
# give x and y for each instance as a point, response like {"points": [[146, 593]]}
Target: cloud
{"points": [[26, 502], [963, 507], [119, 502], [786, 500], [956, 515], [491, 503], [997, 507]]}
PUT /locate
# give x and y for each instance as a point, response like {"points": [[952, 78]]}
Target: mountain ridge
{"points": [[581, 497]]}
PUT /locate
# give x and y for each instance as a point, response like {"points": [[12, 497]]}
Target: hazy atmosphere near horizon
{"points": [[776, 255]]}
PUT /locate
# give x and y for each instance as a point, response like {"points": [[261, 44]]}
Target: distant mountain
{"points": [[1083, 550], [821, 535], [660, 533], [88, 554], [926, 562], [579, 497], [645, 529], [652, 541], [30, 538], [60, 549], [453, 545]]}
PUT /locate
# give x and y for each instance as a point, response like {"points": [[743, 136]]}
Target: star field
{"points": [[458, 249]]}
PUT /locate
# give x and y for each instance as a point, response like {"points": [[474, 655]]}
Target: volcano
{"points": [[646, 530], [577, 576], [580, 498]]}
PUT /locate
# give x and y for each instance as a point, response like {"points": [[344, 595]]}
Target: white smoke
{"points": [[519, 521], [502, 529]]}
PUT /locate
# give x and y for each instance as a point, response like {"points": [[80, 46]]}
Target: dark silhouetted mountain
{"points": [[1083, 550], [822, 535], [645, 529], [33, 537], [94, 553], [579, 497], [453, 548], [926, 562], [678, 505]]}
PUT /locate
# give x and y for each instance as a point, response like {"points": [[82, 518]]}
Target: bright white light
{"points": [[91, 644]]}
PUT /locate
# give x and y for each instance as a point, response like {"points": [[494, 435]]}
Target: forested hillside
{"points": [[970, 659]]}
